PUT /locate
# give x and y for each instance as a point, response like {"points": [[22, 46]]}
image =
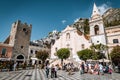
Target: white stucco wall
{"points": [[74, 42]]}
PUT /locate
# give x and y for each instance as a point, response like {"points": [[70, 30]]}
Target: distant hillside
{"points": [[82, 24], [111, 17]]}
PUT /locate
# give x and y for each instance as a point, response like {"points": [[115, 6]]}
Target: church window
{"points": [[83, 46], [68, 45], [67, 36], [97, 41], [96, 29], [115, 41], [56, 49]]}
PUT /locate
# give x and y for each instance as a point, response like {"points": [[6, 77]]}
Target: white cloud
{"points": [[103, 8], [77, 19], [64, 21]]}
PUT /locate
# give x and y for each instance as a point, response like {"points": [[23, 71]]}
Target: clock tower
{"points": [[20, 38]]}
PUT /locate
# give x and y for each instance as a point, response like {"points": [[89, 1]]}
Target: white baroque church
{"points": [[75, 40], [72, 39]]}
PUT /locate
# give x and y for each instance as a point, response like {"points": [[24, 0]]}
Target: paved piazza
{"points": [[39, 74]]}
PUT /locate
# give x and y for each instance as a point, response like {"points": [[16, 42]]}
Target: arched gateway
{"points": [[20, 58]]}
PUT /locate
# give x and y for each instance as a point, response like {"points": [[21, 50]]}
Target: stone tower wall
{"points": [[20, 39]]}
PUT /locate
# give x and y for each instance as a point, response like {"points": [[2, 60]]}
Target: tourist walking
{"points": [[56, 71], [100, 69], [82, 68], [15, 65], [96, 69], [47, 70], [52, 71]]}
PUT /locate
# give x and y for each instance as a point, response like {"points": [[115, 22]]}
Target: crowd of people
{"points": [[97, 68], [68, 67], [83, 67], [51, 70], [11, 65]]}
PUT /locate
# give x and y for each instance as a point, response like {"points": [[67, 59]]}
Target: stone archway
{"points": [[20, 58]]}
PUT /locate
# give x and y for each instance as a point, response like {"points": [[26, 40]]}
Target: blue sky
{"points": [[47, 15]]}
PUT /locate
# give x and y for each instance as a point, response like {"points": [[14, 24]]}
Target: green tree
{"points": [[63, 53], [85, 54], [115, 55], [98, 51], [42, 55]]}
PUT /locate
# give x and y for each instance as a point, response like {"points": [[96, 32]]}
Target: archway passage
{"points": [[20, 59]]}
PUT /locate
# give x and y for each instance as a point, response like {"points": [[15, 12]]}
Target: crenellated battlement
{"points": [[19, 23]]}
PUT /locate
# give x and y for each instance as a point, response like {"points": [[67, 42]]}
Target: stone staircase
{"points": [[58, 61]]}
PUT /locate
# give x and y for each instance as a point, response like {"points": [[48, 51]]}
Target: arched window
{"points": [[67, 36], [96, 29]]}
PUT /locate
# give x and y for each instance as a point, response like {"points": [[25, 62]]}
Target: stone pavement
{"points": [[39, 74]]}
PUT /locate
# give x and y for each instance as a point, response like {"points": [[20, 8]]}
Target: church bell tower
{"points": [[97, 32]]}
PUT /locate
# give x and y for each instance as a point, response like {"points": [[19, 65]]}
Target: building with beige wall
{"points": [[33, 49], [113, 36]]}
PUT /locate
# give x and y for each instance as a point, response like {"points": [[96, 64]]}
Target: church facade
{"points": [[72, 39], [99, 34]]}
